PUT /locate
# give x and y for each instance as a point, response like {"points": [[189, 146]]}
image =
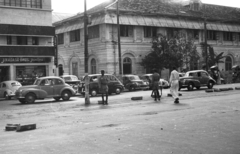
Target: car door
{"points": [[204, 78], [46, 85], [1, 90], [57, 86]]}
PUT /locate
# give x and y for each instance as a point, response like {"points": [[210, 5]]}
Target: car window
{"points": [[4, 85], [57, 82], [13, 84], [67, 78], [199, 74], [94, 79], [46, 82], [204, 74]]}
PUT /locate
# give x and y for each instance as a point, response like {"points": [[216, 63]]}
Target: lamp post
{"points": [[119, 41], [87, 99], [205, 42]]}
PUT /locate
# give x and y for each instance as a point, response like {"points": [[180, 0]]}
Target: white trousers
{"points": [[174, 89]]}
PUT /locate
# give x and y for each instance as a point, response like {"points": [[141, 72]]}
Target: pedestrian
{"points": [[103, 86], [174, 82], [155, 84]]}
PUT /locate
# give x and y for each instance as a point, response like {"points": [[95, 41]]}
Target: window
{"points": [[9, 40], [227, 36], [75, 35], [211, 35], [60, 38], [126, 30], [228, 63], [93, 66], [57, 82], [22, 40], [75, 68], [195, 34], [172, 32], [35, 41], [127, 65], [24, 3], [93, 32], [150, 32]]}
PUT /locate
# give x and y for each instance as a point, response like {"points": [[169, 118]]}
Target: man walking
{"points": [[174, 82], [155, 84], [103, 87]]}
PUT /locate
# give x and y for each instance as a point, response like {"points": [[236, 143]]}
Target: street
{"points": [[203, 123]]}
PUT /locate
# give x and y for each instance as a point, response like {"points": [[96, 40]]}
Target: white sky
{"points": [[76, 6]]}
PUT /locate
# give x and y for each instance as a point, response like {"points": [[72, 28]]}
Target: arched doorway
{"points": [[93, 66], [127, 65], [228, 63], [60, 69]]}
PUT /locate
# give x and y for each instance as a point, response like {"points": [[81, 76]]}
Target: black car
{"points": [[197, 79], [114, 85], [133, 82]]}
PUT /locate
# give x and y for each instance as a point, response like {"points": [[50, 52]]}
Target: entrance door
{"points": [[4, 73], [127, 66]]}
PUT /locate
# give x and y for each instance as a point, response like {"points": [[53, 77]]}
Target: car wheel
{"points": [[6, 96], [117, 91], [57, 98], [22, 101], [198, 87], [190, 86], [93, 93], [66, 95], [131, 88], [210, 85], [30, 98]]}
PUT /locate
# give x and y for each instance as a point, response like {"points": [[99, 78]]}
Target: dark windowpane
{"points": [[93, 32], [9, 39], [22, 40], [60, 38], [75, 35], [35, 41]]}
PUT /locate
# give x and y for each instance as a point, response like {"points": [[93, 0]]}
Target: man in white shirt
{"points": [[174, 82]]}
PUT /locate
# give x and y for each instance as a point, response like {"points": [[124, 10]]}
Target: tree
{"points": [[166, 53]]}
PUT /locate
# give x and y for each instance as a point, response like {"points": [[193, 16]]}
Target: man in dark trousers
{"points": [[155, 84], [103, 87]]}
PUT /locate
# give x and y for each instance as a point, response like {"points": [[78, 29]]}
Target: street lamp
{"points": [[119, 41], [205, 42]]}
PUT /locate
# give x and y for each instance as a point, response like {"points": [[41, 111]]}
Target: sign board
{"points": [[4, 60]]}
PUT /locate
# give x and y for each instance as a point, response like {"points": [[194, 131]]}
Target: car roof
{"points": [[97, 75], [130, 75], [50, 77], [194, 71], [68, 75], [9, 81]]}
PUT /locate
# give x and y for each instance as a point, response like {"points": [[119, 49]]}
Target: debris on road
{"points": [[21, 128], [11, 127], [137, 98]]}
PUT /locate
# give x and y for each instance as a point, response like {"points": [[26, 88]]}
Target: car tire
{"points": [[57, 98], [210, 85], [93, 93], [6, 96], [66, 95], [117, 91], [22, 101], [190, 86], [30, 98], [131, 88]]}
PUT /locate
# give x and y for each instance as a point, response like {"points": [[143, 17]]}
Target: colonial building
{"points": [[26, 40], [140, 20]]}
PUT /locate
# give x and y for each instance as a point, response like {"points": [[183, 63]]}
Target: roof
{"points": [[60, 16], [194, 71]]}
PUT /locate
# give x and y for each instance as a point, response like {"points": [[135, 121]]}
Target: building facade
{"points": [[26, 40], [139, 22]]}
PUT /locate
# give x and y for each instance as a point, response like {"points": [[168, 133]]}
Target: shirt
{"points": [[174, 76]]}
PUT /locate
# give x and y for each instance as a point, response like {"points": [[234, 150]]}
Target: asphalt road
{"points": [[203, 123]]}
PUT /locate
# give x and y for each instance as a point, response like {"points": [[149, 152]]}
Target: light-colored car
{"points": [[45, 87], [8, 88], [73, 81], [148, 78]]}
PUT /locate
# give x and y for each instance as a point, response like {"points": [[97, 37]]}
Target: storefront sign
{"points": [[25, 60]]}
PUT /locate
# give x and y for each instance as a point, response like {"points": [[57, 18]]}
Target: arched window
{"points": [[127, 65], [75, 68], [228, 63], [93, 66], [60, 69]]}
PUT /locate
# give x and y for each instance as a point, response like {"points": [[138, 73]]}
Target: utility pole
{"points": [[205, 42], [87, 99], [119, 42]]}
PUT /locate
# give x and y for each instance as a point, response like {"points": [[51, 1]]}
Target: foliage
{"points": [[167, 53]]}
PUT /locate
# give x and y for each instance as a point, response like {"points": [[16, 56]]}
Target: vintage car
{"points": [[8, 88], [73, 81], [196, 78], [148, 78], [133, 82], [114, 85], [45, 87]]}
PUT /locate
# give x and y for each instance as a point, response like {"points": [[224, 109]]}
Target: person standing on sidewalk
{"points": [[155, 84], [103, 86], [174, 82]]}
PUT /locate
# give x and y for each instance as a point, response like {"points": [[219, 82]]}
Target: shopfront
{"points": [[25, 69]]}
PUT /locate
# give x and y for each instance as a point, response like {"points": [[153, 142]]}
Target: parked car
{"points": [[8, 88], [114, 85], [133, 82], [196, 78], [181, 74], [73, 81], [45, 87], [148, 78]]}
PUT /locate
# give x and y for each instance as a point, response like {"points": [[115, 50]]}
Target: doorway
{"points": [[4, 73]]}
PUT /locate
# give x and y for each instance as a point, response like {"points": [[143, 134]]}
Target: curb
{"points": [[224, 89], [137, 98], [209, 90], [11, 127], [216, 90], [237, 88]]}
